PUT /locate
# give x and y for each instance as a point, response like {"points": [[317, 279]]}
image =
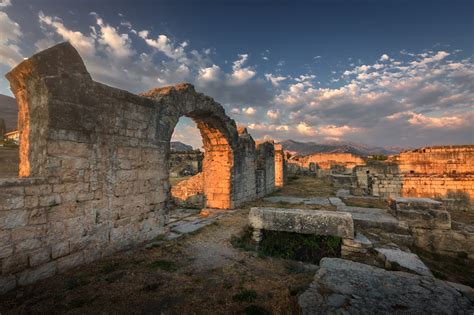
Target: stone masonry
{"points": [[434, 172], [94, 173]]}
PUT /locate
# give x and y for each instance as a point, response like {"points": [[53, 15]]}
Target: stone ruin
{"points": [[324, 164], [435, 172], [94, 175]]}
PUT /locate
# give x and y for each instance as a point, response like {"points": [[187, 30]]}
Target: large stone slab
{"points": [[407, 261], [302, 221], [347, 287]]}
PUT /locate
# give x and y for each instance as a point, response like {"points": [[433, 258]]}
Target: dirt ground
{"points": [[201, 274], [8, 162]]}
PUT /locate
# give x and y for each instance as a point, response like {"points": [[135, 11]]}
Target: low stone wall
{"points": [[189, 192], [432, 229], [457, 159], [413, 185]]}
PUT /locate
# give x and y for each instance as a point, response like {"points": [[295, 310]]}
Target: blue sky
{"points": [[391, 73]]}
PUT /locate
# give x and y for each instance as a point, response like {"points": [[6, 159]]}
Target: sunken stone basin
{"points": [[302, 221]]}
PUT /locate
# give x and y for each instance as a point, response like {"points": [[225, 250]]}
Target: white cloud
{"points": [[306, 130], [10, 35], [275, 80], [210, 74], [384, 57], [5, 3], [241, 74], [273, 114], [164, 44], [118, 45], [250, 111], [83, 43]]}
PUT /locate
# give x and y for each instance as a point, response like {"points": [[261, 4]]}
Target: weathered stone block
{"points": [[303, 221], [428, 219]]}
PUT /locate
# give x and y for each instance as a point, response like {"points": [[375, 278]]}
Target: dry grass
{"points": [[307, 186], [202, 274], [9, 160]]}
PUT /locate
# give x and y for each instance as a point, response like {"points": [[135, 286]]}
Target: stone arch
{"points": [[218, 131]]}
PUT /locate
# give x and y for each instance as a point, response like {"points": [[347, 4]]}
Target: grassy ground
{"points": [[307, 186], [8, 162]]}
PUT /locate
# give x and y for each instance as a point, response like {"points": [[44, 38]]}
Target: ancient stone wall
{"points": [[189, 192], [434, 172], [185, 163], [326, 161], [266, 162], [456, 159], [94, 165], [420, 185], [280, 166]]}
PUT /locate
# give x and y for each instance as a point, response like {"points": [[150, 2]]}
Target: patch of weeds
{"points": [[245, 296], [255, 310], [151, 287], [165, 265], [243, 241], [302, 247]]}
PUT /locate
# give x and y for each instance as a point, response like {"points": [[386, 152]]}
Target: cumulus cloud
{"points": [[117, 44], [413, 99], [384, 57], [241, 74], [164, 44]]}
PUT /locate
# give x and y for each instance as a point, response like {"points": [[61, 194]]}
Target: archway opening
{"points": [[201, 179]]}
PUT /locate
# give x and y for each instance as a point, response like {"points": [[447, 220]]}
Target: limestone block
{"points": [[428, 219], [13, 218], [303, 221], [60, 249], [39, 256]]}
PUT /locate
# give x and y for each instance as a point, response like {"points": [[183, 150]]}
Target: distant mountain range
{"points": [[177, 146], [9, 111], [305, 148]]}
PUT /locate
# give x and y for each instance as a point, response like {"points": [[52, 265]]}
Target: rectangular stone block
{"points": [[428, 219], [303, 221]]}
